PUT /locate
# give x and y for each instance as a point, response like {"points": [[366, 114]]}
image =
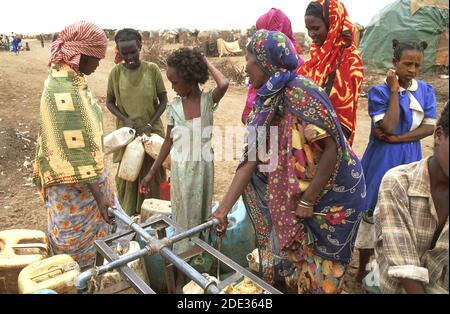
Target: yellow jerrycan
{"points": [[247, 286], [57, 273], [18, 249]]}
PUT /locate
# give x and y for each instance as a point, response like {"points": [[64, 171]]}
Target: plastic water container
{"points": [[193, 288], [132, 160], [18, 249], [57, 273], [118, 139], [152, 145], [240, 238], [246, 286], [153, 206], [164, 190], [238, 242], [202, 262], [155, 263]]}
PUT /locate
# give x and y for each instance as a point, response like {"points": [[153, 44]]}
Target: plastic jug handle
{"points": [[29, 246]]}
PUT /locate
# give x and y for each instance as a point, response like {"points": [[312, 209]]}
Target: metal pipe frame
{"points": [[188, 233], [153, 246], [141, 231], [161, 247], [227, 261], [120, 214], [84, 277], [126, 272]]}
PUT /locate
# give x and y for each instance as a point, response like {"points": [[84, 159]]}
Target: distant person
{"points": [[335, 64], [411, 222], [403, 111], [8, 43], [20, 44], [41, 39], [4, 42], [70, 168], [55, 37], [27, 47], [190, 114], [137, 97], [274, 20], [16, 45]]}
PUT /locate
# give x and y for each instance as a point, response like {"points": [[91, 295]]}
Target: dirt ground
{"points": [[21, 84]]}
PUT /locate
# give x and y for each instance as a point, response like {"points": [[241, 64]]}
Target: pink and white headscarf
{"points": [[276, 20], [74, 40]]}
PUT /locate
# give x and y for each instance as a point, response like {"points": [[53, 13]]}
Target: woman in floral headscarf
{"points": [[69, 168], [305, 202], [274, 20], [335, 64]]}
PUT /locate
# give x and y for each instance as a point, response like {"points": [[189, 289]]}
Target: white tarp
{"points": [[225, 48]]}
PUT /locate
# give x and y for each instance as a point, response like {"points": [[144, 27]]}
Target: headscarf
{"points": [[316, 9], [276, 20], [276, 56], [338, 52], [74, 40]]}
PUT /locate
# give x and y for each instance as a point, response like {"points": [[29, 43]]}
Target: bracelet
{"points": [[306, 204]]}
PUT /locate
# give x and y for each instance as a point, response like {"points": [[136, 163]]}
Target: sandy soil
{"points": [[21, 83]]}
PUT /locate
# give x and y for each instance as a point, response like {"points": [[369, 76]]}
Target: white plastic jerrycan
{"points": [[132, 160], [152, 145], [118, 139]]}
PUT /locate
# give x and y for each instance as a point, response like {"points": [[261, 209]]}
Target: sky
{"points": [[36, 16]]}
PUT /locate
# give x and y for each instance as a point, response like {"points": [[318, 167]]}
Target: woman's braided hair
{"points": [[399, 47]]}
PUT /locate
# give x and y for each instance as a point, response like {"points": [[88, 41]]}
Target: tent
{"points": [[416, 20], [226, 48]]}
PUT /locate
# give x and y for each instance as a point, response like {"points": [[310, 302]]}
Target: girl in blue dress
{"points": [[403, 111]]}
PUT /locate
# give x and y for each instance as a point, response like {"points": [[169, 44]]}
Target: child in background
{"points": [[403, 111]]}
